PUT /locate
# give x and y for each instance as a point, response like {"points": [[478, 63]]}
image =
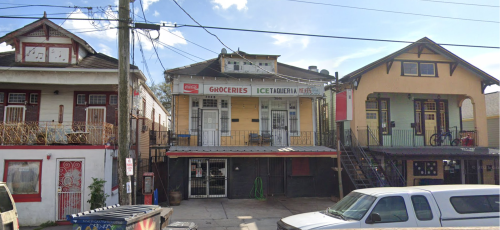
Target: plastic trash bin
{"points": [[182, 225], [127, 217]]}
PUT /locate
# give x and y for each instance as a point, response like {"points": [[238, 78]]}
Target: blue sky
{"points": [[339, 55]]}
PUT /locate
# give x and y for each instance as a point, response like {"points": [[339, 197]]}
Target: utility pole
{"points": [[339, 164], [123, 97]]}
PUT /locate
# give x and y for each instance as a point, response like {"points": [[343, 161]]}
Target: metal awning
{"points": [[437, 151], [251, 151]]}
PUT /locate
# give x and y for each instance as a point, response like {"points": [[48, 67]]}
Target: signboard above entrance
{"points": [[256, 90]]}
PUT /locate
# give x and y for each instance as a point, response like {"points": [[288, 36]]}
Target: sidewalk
{"points": [[237, 214], [244, 214]]}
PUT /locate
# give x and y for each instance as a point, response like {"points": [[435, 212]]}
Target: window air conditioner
{"points": [[236, 68], [145, 128]]}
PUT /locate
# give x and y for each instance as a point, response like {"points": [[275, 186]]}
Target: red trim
{"points": [[26, 197], [47, 46], [87, 93], [63, 223], [251, 153], [56, 147], [115, 188]]}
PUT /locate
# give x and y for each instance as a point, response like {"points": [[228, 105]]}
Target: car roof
{"points": [[429, 188]]}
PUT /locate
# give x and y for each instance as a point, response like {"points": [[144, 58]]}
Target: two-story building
{"points": [[58, 121], [402, 121], [244, 123]]}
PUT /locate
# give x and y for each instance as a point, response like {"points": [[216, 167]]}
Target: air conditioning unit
{"points": [[145, 128]]}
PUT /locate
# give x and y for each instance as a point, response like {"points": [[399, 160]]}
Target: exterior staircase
{"points": [[364, 170]]}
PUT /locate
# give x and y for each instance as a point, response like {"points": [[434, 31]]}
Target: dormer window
{"points": [[47, 52]]}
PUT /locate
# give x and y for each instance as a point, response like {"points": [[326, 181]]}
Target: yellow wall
{"points": [[414, 180], [306, 137], [489, 176], [462, 82]]}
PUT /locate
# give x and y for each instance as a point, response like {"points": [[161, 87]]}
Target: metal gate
{"points": [[279, 124], [276, 172], [207, 178], [96, 117], [69, 188]]}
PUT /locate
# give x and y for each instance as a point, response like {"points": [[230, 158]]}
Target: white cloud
{"points": [[105, 49], [156, 14], [288, 40], [97, 29], [4, 47], [165, 37], [363, 53], [147, 3], [225, 4], [488, 62]]}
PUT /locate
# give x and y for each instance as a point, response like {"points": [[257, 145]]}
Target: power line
{"points": [[45, 5], [78, 19], [324, 36], [459, 3], [283, 76], [149, 36], [390, 11]]}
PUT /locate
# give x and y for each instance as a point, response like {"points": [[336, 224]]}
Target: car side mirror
{"points": [[374, 217]]}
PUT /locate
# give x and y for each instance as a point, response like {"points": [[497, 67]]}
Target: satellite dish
{"points": [[223, 51], [325, 72]]}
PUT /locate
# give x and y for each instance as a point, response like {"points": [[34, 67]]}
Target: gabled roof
{"points": [[431, 45], [44, 21], [91, 61], [212, 68]]}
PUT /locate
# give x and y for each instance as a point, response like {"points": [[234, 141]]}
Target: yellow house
{"points": [[400, 117], [242, 118]]}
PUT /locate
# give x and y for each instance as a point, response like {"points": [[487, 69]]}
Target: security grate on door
{"points": [[207, 178]]}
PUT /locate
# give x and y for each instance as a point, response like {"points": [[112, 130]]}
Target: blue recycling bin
{"points": [[116, 217]]}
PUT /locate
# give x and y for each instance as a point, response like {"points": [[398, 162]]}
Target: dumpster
{"points": [[116, 217]]}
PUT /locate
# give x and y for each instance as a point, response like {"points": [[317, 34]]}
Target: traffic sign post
{"points": [[129, 166]]}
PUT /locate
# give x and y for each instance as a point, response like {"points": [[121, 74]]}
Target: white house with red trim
{"points": [[58, 117]]}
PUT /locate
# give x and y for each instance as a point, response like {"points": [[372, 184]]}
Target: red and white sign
{"points": [[129, 166], [227, 90], [191, 88], [343, 106]]}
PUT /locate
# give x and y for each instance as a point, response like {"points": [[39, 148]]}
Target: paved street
{"points": [[244, 214], [241, 214]]}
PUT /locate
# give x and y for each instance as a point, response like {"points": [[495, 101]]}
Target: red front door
{"points": [[69, 190]]}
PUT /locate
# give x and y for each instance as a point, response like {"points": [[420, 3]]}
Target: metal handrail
{"points": [[356, 146], [352, 163]]}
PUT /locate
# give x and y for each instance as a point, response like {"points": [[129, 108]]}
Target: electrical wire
{"points": [[45, 5], [459, 3], [391, 11], [283, 76], [77, 19], [326, 36], [149, 36]]}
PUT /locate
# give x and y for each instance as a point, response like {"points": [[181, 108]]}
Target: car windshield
{"points": [[353, 206]]}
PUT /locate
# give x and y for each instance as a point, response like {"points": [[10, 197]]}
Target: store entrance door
{"points": [[207, 178], [279, 127]]}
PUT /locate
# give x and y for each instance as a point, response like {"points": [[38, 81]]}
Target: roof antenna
{"points": [[44, 14]]}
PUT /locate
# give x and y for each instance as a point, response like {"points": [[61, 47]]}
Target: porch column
{"points": [[479, 109]]}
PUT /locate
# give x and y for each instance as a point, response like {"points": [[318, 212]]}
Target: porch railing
{"points": [[369, 136], [52, 133], [246, 138]]}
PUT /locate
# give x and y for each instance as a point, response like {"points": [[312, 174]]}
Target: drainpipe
{"points": [[136, 154]]}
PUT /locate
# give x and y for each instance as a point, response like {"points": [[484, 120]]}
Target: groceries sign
{"points": [[227, 90]]}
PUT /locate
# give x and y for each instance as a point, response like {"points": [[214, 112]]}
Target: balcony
{"points": [[51, 133], [368, 136], [242, 138]]}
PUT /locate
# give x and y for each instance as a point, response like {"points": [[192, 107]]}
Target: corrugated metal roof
{"points": [[250, 149]]}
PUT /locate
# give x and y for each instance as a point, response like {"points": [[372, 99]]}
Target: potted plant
{"points": [[41, 138], [175, 196]]}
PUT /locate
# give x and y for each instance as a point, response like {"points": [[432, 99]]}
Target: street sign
{"points": [[129, 166]]}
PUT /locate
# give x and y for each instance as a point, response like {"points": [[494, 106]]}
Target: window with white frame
{"points": [[14, 114], [113, 99], [80, 99], [224, 118], [427, 69], [293, 116], [17, 97], [34, 98], [264, 117], [195, 115], [410, 68], [97, 99]]}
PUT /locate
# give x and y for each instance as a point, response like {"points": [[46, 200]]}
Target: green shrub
{"points": [[97, 194]]}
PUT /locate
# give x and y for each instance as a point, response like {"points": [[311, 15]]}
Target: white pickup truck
{"points": [[397, 207]]}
